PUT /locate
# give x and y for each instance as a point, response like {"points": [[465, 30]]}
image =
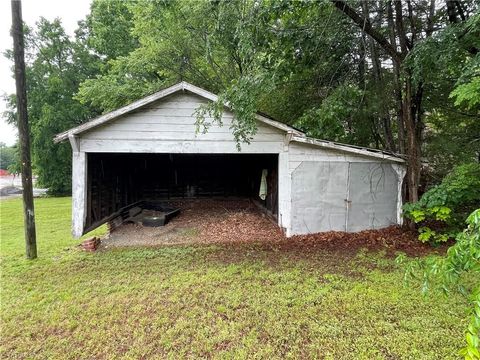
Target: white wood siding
{"points": [[168, 125]]}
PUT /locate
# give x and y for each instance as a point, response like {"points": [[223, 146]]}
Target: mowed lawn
{"points": [[212, 301]]}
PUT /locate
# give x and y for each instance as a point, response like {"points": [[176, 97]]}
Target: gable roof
{"points": [[353, 149], [295, 134], [181, 86]]}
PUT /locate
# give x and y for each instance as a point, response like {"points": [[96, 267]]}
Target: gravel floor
{"points": [[201, 221]]}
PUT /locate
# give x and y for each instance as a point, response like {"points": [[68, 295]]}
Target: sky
{"points": [[69, 11]]}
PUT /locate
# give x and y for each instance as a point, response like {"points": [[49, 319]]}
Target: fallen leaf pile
{"points": [[243, 226], [391, 239]]}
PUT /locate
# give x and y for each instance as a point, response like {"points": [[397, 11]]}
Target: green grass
{"points": [[236, 301]]}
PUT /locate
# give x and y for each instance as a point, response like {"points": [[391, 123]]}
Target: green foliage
{"points": [[255, 56], [333, 119], [459, 188], [209, 44], [448, 203], [468, 94], [472, 350], [124, 83], [56, 66], [448, 72], [124, 77], [109, 27], [451, 139], [16, 166], [467, 91], [464, 257], [7, 156], [450, 272], [304, 63], [242, 98]]}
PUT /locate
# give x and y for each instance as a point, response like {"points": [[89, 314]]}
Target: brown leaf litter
{"points": [[240, 221]]}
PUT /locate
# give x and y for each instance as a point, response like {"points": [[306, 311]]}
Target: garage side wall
{"points": [[332, 190]]}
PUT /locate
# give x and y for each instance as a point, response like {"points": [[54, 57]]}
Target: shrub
{"points": [[449, 272], [443, 209]]}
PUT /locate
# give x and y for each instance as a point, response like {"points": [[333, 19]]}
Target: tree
{"points": [[109, 27], [410, 94], [7, 156], [409, 25], [304, 63], [258, 57], [56, 66], [445, 65]]}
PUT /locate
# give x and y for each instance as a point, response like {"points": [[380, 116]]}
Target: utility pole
{"points": [[23, 129]]}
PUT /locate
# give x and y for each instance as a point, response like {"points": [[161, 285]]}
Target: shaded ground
{"points": [[301, 299], [240, 221]]}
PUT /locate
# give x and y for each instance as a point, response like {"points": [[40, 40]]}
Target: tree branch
{"points": [[452, 12], [413, 26], [431, 13], [367, 27], [400, 28], [460, 11]]}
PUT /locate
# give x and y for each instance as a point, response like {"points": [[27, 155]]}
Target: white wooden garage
{"points": [[150, 149]]}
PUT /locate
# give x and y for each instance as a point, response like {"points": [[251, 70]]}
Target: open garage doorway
{"points": [[117, 182]]}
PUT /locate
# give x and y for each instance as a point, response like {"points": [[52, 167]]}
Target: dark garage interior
{"points": [[118, 181]]}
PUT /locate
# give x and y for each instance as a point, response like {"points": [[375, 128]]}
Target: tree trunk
{"points": [[398, 100], [408, 98], [452, 11], [384, 116], [377, 74], [397, 82], [409, 113]]}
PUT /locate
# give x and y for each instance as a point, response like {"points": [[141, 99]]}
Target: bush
{"points": [[448, 273], [443, 209]]}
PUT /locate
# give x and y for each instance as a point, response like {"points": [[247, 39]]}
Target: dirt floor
{"points": [[240, 221], [201, 221]]}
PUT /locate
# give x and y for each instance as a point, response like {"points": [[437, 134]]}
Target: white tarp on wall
{"points": [[343, 196]]}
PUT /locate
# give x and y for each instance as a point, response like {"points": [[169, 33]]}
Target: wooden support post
{"points": [[400, 170], [79, 192], [284, 193], [23, 129]]}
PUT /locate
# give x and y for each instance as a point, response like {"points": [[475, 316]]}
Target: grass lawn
{"points": [[212, 301]]}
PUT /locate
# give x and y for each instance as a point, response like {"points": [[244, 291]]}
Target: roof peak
{"points": [[180, 86]]}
